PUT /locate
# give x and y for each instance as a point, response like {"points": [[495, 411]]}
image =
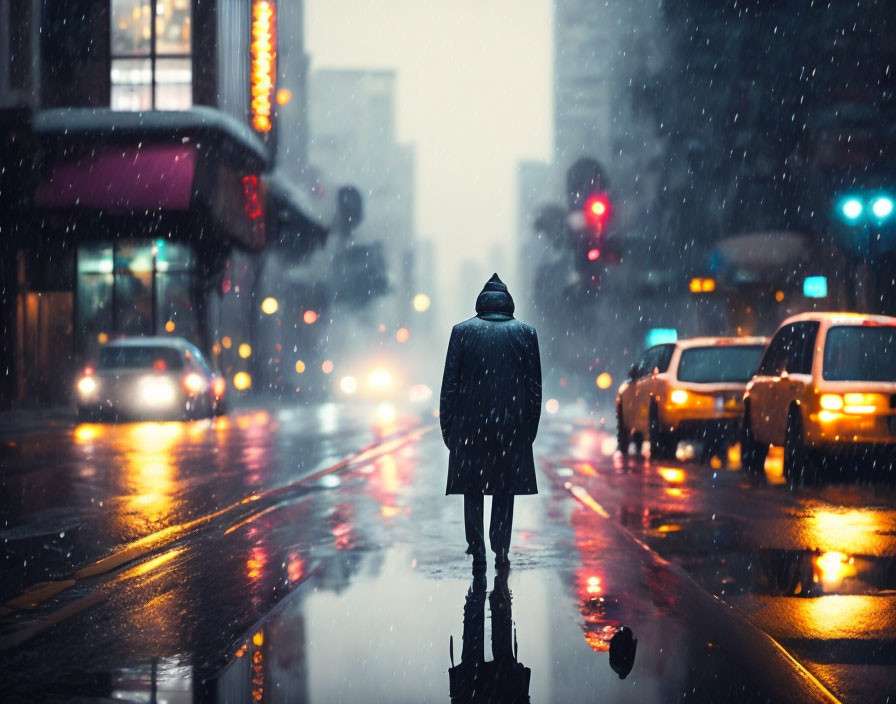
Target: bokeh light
{"points": [[269, 305], [422, 303]]}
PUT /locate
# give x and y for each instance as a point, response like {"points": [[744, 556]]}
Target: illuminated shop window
{"points": [[135, 287], [151, 61]]}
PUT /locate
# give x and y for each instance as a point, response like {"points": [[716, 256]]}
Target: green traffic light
{"points": [[852, 208], [882, 207]]}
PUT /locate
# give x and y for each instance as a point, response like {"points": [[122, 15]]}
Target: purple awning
{"points": [[158, 176]]}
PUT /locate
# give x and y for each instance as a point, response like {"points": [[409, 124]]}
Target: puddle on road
{"points": [[388, 635], [722, 554]]}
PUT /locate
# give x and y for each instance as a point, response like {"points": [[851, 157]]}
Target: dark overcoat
{"points": [[491, 399]]}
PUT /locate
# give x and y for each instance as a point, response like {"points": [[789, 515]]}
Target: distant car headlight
{"points": [[157, 391], [679, 397], [380, 379], [87, 385], [194, 383], [348, 384]]}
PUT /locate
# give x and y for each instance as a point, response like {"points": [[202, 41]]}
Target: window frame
{"points": [[153, 56]]}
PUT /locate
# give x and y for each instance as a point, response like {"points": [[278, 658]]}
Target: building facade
{"points": [[137, 153]]}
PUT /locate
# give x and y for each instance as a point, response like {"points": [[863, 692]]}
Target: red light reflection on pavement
{"points": [[590, 580], [342, 525]]}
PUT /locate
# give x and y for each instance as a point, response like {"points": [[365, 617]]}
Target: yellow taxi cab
{"points": [[689, 389], [826, 383]]}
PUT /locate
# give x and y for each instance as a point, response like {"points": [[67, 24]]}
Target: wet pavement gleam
{"points": [[342, 577]]}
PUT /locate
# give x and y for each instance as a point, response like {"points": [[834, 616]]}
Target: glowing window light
{"points": [[245, 350], [262, 50], [309, 317], [169, 326], [242, 381], [300, 367], [269, 305], [403, 335]]}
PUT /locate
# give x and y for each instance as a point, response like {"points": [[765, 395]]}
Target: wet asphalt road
{"points": [[311, 555]]}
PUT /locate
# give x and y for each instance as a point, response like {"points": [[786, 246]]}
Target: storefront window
{"points": [[135, 288], [94, 296], [151, 61]]}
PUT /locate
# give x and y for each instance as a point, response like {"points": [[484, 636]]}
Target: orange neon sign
{"points": [[263, 53]]}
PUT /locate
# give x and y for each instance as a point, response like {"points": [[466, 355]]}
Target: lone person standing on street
{"points": [[489, 411]]}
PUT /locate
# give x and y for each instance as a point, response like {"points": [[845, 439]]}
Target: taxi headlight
{"points": [[831, 402], [194, 383], [679, 397], [859, 403]]}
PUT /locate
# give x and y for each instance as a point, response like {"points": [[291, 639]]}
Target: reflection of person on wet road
{"points": [[489, 412], [502, 679]]}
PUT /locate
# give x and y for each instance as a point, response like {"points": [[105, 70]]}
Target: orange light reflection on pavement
{"points": [[833, 567], [673, 475], [149, 474], [855, 531], [256, 563]]}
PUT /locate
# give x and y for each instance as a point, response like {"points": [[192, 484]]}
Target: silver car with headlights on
{"points": [[160, 378]]}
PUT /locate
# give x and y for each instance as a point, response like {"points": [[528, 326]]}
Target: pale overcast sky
{"points": [[474, 96]]}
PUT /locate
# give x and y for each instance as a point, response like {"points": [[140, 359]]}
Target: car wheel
{"points": [[752, 452], [662, 445], [623, 437], [798, 459]]}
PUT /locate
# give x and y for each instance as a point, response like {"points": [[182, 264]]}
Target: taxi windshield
{"points": [[705, 365], [860, 353], [140, 357]]}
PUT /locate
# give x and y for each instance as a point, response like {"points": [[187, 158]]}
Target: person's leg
{"points": [[500, 526], [473, 527]]}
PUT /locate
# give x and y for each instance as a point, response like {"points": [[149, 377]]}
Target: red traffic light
{"points": [[597, 210]]}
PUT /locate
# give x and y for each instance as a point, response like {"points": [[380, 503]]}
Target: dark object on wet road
{"points": [[503, 679], [150, 378], [489, 411], [623, 647]]}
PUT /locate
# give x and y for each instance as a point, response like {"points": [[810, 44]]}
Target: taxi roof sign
{"points": [[815, 287]]}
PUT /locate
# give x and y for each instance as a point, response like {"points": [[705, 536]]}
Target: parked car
{"points": [[149, 377], [826, 384], [689, 389]]}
